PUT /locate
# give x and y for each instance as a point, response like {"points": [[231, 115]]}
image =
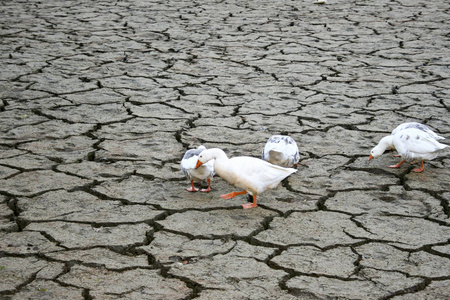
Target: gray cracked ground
{"points": [[100, 100]]}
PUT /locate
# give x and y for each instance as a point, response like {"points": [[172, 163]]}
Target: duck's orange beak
{"points": [[199, 163], [370, 157]]}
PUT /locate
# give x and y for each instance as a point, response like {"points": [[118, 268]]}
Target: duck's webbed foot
{"points": [[419, 169], [397, 165]]}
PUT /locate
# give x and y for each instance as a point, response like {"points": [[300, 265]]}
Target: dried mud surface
{"points": [[99, 100]]}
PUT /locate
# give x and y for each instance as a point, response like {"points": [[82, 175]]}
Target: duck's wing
{"points": [[271, 144], [418, 126], [190, 158], [283, 144], [414, 143], [404, 126], [427, 130], [294, 155]]}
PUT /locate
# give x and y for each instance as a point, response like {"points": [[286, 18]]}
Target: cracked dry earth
{"points": [[100, 100]]}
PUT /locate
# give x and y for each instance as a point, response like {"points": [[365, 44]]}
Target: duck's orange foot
{"points": [[249, 205], [397, 165], [192, 188], [232, 195], [419, 169], [209, 187]]}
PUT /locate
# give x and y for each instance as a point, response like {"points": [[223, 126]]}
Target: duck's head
{"points": [[376, 152], [204, 157], [385, 143]]}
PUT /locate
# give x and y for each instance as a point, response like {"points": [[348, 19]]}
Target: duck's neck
{"points": [[387, 142], [218, 154], [220, 162]]}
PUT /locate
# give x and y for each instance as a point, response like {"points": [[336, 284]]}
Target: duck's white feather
{"points": [[281, 150], [189, 161], [248, 173], [416, 145], [419, 126]]}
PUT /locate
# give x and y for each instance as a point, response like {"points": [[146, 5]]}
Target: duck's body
{"points": [[412, 144], [281, 150], [251, 174], [419, 126], [205, 172]]}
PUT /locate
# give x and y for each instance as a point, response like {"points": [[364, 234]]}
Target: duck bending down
{"points": [[281, 150], [205, 172], [413, 145], [387, 141], [251, 174]]}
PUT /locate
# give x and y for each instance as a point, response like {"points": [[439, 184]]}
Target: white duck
{"points": [[413, 145], [281, 150], [251, 174], [205, 172], [387, 141]]}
